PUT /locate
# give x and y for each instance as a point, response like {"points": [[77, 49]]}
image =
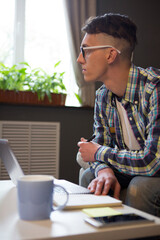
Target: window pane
{"points": [[46, 39], [7, 10]]}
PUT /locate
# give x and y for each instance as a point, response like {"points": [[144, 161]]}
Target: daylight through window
{"points": [[38, 37]]}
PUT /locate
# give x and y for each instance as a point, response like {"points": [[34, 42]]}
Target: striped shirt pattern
{"points": [[142, 104]]}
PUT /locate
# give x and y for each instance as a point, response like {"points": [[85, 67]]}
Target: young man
{"points": [[125, 153]]}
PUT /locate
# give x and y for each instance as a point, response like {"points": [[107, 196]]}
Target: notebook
{"points": [[79, 197], [80, 201]]}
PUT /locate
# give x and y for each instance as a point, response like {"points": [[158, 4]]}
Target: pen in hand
{"points": [[91, 138]]}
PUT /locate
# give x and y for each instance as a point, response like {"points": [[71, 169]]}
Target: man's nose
{"points": [[80, 58]]}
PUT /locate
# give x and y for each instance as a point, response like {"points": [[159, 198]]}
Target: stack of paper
{"points": [[79, 201]]}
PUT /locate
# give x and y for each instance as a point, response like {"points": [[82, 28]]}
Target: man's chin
{"points": [[86, 79]]}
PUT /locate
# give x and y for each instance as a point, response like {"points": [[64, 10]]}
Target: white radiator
{"points": [[35, 145]]}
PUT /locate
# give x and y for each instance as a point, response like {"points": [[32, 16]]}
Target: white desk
{"points": [[64, 225]]}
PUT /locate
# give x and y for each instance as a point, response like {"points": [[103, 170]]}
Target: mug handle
{"points": [[60, 207]]}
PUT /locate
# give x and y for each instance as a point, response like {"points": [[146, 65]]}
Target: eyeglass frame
{"points": [[96, 47]]}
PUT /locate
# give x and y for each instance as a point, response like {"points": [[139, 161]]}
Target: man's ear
{"points": [[111, 56]]}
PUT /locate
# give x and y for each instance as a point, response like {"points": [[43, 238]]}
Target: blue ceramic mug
{"points": [[35, 197]]}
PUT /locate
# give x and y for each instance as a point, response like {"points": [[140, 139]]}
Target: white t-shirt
{"points": [[129, 137]]}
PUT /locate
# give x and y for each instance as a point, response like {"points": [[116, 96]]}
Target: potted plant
{"points": [[20, 84]]}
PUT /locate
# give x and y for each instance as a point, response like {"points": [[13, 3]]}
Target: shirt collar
{"points": [[132, 88]]}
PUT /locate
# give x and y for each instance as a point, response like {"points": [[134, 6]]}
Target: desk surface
{"points": [[63, 225]]}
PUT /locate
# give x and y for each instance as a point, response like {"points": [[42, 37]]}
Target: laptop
{"points": [[79, 197], [15, 171]]}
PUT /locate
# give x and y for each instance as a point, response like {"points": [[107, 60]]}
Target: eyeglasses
{"points": [[96, 47]]}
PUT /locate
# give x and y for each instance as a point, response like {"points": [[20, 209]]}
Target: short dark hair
{"points": [[116, 25]]}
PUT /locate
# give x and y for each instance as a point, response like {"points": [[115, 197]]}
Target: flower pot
{"points": [[30, 98]]}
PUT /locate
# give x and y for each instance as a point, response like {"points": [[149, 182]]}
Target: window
{"points": [[7, 10], [39, 37]]}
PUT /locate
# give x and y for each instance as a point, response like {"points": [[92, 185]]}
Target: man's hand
{"points": [[87, 150], [105, 181]]}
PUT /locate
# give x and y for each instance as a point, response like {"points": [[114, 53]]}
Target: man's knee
{"points": [[86, 177], [143, 193], [135, 187]]}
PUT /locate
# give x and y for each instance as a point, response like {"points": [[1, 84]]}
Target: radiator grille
{"points": [[35, 145]]}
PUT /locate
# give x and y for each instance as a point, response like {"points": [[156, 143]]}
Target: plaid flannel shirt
{"points": [[142, 104]]}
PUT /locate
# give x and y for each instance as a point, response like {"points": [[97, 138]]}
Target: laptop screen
{"points": [[10, 162]]}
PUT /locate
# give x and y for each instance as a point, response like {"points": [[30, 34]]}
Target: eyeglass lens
{"points": [[82, 51]]}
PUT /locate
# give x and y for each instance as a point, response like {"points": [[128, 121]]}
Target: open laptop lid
{"points": [[14, 170], [10, 162]]}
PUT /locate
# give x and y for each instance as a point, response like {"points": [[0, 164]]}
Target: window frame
{"points": [[19, 31]]}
